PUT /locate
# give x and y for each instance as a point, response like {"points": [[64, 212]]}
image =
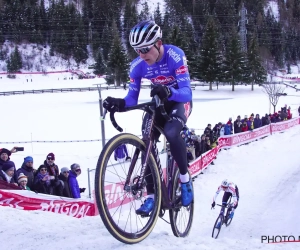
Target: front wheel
{"points": [[118, 202], [181, 217], [217, 227]]}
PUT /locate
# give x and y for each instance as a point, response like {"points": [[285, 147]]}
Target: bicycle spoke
{"points": [[117, 205]]}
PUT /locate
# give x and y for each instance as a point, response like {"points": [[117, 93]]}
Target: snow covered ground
{"points": [[266, 172]]}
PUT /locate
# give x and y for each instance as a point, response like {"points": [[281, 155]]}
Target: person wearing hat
{"points": [[53, 172], [4, 157], [73, 183], [64, 179], [42, 180], [7, 172], [22, 181], [28, 170]]}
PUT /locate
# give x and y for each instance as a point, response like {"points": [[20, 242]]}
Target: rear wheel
{"points": [[116, 202], [217, 227], [181, 217], [228, 219]]}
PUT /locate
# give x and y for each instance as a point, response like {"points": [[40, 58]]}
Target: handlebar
{"points": [[158, 103], [226, 205]]}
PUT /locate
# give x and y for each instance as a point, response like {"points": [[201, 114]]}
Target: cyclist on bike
{"points": [[166, 67], [230, 190]]}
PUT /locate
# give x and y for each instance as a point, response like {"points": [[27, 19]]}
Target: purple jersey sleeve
{"points": [[178, 63], [135, 82]]}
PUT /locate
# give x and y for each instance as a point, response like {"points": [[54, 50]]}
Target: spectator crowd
{"points": [[199, 144], [47, 179]]}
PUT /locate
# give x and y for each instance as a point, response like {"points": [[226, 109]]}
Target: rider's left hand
{"points": [[113, 104], [161, 90], [213, 204]]}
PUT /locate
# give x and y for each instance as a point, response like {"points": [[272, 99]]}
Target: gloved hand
{"points": [[128, 158], [82, 190], [113, 104], [213, 204], [161, 90]]}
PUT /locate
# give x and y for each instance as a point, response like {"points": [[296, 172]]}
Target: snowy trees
{"points": [[70, 31], [235, 62], [14, 62], [210, 60], [257, 72]]}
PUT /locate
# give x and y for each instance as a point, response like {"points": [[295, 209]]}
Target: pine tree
{"points": [[109, 32], [14, 63], [257, 71], [130, 20], [210, 60], [234, 61], [118, 62], [158, 15], [79, 43], [145, 13], [100, 66], [176, 37]]}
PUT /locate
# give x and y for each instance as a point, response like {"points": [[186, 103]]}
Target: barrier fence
{"points": [[27, 200]]}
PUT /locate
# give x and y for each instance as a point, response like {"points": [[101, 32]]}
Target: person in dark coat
{"points": [[203, 144], [73, 183], [237, 125], [53, 171], [42, 182], [64, 178], [7, 172], [27, 170], [264, 120], [257, 122], [4, 157], [197, 147]]}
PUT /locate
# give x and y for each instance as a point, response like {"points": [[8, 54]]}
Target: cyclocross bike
{"points": [[119, 188], [222, 219]]}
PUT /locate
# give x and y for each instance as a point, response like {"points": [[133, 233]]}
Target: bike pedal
{"points": [[145, 215]]}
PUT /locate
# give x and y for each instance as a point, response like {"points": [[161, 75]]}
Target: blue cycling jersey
{"points": [[171, 71]]}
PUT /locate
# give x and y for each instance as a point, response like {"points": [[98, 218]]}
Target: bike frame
{"points": [[225, 206], [148, 138]]}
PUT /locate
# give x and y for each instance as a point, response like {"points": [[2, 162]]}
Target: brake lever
{"points": [[104, 114]]}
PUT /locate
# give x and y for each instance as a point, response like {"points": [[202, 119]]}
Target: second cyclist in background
{"points": [[230, 190]]}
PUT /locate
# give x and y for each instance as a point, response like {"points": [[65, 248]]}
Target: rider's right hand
{"points": [[113, 104], [213, 204]]}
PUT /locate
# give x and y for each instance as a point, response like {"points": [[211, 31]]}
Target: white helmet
{"points": [[145, 33], [225, 183]]}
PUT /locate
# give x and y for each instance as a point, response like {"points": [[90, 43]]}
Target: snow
{"points": [[272, 5], [266, 172], [152, 4]]}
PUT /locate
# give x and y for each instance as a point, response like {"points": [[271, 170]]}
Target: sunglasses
{"points": [[144, 50], [66, 172], [49, 159], [43, 169], [77, 170]]}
